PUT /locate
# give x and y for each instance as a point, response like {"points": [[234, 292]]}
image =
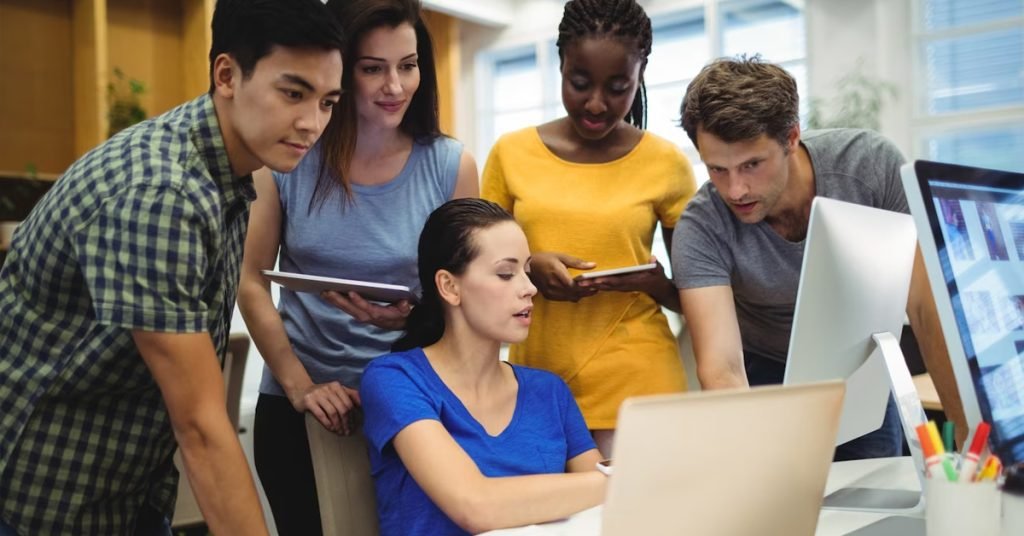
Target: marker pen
{"points": [[931, 458], [970, 462]]}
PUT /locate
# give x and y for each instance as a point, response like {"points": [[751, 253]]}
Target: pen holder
{"points": [[957, 508]]}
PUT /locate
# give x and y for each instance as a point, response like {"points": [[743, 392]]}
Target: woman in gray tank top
{"points": [[353, 209]]}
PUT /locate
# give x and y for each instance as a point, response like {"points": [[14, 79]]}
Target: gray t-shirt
{"points": [[710, 247]]}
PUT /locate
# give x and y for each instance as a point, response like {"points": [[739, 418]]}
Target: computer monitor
{"points": [[850, 310], [971, 228]]}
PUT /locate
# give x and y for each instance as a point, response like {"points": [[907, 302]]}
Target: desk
{"points": [[926, 391], [885, 473]]}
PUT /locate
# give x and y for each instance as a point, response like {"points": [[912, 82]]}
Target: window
{"points": [[682, 46], [970, 54]]}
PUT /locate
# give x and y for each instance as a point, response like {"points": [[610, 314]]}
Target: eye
{"points": [[329, 104], [292, 94], [411, 66], [752, 165], [619, 90], [506, 276], [577, 84], [371, 69]]}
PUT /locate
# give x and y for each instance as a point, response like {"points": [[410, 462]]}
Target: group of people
{"points": [[318, 148]]}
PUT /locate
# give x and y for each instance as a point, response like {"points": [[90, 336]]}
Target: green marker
{"points": [[947, 436]]}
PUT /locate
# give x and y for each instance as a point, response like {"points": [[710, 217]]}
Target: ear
{"points": [[448, 287], [226, 74], [793, 138]]}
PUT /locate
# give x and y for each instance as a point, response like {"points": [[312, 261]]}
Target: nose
{"points": [[312, 118], [736, 188], [529, 290], [595, 104], [392, 84]]}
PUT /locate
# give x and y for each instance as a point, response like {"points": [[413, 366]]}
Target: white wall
{"points": [[876, 32]]}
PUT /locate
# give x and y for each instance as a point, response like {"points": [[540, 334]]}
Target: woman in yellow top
{"points": [[589, 189]]}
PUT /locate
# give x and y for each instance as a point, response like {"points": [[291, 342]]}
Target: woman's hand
{"points": [[653, 282], [390, 317], [549, 272], [331, 403]]}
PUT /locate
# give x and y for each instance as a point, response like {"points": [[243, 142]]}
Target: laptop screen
{"points": [[977, 222]]}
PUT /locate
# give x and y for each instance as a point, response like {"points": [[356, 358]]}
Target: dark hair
{"points": [[248, 29], [446, 243], [621, 19], [738, 99], [338, 143]]}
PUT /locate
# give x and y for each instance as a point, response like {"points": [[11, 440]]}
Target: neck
{"points": [[464, 358], [241, 161], [373, 141], [794, 206]]}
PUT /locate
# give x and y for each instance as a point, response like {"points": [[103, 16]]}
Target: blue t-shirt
{"points": [[546, 430], [372, 237]]}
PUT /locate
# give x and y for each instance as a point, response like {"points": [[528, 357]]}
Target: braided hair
{"points": [[620, 19]]}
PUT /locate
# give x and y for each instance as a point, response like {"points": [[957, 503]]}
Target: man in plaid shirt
{"points": [[117, 295]]}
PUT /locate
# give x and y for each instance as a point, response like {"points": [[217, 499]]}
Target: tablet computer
{"points": [[618, 271], [380, 292]]}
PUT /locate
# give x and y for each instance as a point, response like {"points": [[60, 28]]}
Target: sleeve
{"points": [[889, 160], [392, 400], [682, 186], [700, 257], [577, 436], [144, 259], [493, 186]]}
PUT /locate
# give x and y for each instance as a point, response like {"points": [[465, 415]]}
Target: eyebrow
{"points": [[374, 58], [300, 81], [509, 259]]}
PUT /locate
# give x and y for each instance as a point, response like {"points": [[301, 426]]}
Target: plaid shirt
{"points": [[145, 232]]}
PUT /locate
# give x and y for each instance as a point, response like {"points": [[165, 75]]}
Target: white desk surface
{"points": [[883, 473]]}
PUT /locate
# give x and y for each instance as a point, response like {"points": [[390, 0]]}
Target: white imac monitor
{"points": [[971, 226], [850, 311]]}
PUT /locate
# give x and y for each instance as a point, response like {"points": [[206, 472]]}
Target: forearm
{"points": [[936, 360], [268, 334], [522, 500], [667, 295], [220, 477]]}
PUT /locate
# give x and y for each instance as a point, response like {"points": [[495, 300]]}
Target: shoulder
{"points": [[663, 147], [539, 381], [443, 145], [402, 362], [516, 138], [845, 147]]}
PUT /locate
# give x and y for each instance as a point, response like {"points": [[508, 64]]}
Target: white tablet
{"points": [[316, 284], [618, 271]]}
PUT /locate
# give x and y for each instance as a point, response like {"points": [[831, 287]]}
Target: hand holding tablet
{"points": [[617, 271]]}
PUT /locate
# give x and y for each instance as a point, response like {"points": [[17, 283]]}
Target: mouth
{"points": [[525, 313], [300, 148], [744, 208], [391, 106], [593, 124]]}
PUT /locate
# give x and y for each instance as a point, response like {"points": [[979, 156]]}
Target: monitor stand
{"points": [[887, 350]]}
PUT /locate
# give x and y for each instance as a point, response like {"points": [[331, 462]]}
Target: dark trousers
{"points": [[149, 523], [281, 452], [885, 442]]}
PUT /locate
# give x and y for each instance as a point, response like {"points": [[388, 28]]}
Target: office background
{"points": [[951, 73]]}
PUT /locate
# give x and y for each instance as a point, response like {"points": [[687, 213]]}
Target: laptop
{"points": [[750, 461]]}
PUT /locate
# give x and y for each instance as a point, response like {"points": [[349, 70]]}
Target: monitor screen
{"points": [[973, 247]]}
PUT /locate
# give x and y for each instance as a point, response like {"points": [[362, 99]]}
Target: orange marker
{"points": [[931, 458]]}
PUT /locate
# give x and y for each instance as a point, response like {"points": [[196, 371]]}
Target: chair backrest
{"points": [[344, 487], [234, 373]]}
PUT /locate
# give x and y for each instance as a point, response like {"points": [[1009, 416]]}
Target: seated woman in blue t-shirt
{"points": [[487, 444]]}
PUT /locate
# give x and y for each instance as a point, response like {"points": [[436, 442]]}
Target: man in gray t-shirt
{"points": [[738, 248]]}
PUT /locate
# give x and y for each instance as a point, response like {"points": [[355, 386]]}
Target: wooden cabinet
{"points": [[57, 58]]}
